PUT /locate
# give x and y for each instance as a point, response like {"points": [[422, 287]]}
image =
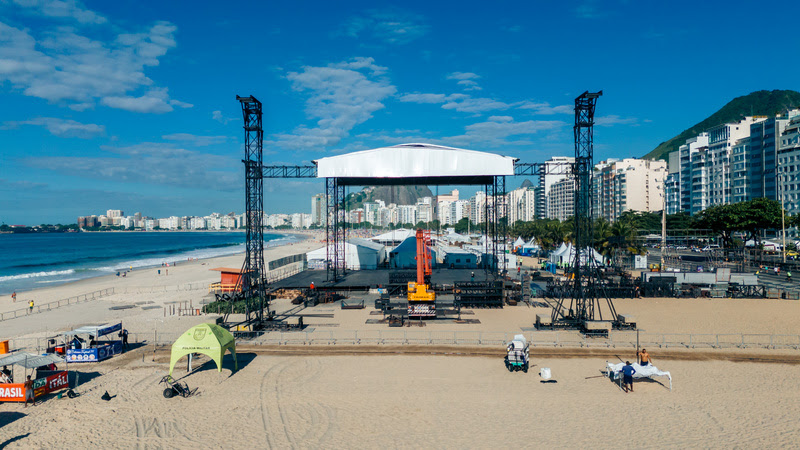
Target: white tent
{"points": [[560, 255], [414, 160], [519, 242], [566, 254], [394, 237], [359, 254], [455, 238]]}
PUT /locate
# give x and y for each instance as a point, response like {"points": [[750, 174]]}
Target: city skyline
{"points": [[133, 103]]}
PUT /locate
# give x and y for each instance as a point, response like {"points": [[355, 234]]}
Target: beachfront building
{"points": [[555, 169], [424, 209], [789, 164], [561, 199], [717, 163], [477, 205], [629, 184], [319, 209], [762, 157], [521, 205]]}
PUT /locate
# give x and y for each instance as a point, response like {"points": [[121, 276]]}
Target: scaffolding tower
{"points": [[586, 304], [252, 281]]}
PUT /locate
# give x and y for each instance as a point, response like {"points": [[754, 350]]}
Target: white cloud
{"points": [[196, 140], [611, 120], [423, 98], [475, 105], [342, 96], [154, 101], [69, 9], [217, 115], [463, 76], [466, 79], [498, 131], [62, 65], [151, 163], [390, 26], [545, 108], [458, 102], [61, 127]]}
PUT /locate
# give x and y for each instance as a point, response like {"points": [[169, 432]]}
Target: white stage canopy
{"points": [[415, 161]]}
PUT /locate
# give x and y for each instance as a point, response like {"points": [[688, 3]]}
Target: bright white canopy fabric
{"points": [[519, 242], [648, 371], [415, 160]]}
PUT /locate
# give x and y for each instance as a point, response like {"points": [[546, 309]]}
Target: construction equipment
{"points": [[421, 298]]}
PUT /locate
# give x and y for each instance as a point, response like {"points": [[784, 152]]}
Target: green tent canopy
{"points": [[208, 339]]}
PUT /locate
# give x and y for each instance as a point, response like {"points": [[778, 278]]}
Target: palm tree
{"points": [[602, 233]]}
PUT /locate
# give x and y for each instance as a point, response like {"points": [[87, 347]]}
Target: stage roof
{"points": [[415, 164]]}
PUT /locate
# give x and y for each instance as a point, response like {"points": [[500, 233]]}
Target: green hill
{"points": [[759, 103]]}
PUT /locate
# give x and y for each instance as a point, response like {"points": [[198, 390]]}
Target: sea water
{"points": [[30, 261]]}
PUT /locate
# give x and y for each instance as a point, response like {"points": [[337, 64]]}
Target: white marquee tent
{"points": [[566, 254], [359, 254]]}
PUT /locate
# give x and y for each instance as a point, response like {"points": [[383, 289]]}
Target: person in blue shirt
{"points": [[627, 376]]}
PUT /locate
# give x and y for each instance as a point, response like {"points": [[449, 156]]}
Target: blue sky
{"points": [[131, 104]]}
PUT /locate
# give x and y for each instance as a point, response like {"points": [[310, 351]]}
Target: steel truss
{"points": [[585, 304], [252, 282], [495, 227], [335, 229]]}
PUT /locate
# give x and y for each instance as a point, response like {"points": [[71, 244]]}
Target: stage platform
{"points": [[369, 279]]}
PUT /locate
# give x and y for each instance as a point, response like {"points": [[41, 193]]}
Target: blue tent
{"points": [[404, 256]]}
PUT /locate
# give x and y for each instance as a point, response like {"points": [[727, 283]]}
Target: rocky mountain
{"points": [[400, 195]]}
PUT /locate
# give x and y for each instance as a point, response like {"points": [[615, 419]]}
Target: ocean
{"points": [[30, 261]]}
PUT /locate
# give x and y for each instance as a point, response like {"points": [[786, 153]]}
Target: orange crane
{"points": [[421, 298]]}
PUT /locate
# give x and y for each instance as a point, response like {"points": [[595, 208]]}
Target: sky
{"points": [[132, 105]]}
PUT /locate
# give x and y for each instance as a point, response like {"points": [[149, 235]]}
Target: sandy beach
{"points": [[356, 396]]}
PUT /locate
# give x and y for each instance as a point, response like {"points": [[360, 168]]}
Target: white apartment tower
{"points": [[556, 169], [629, 184]]}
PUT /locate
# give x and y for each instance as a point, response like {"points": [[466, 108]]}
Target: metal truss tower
{"points": [[252, 280], [585, 304], [495, 229], [335, 229]]}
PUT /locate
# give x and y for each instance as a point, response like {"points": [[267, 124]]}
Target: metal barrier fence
{"points": [[284, 272], [55, 304], [555, 339], [568, 339], [157, 289]]}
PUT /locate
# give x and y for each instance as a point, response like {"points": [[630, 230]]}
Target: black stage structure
{"points": [[336, 231], [585, 310], [584, 306]]}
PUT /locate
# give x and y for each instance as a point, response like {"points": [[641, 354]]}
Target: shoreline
{"points": [[299, 237]]}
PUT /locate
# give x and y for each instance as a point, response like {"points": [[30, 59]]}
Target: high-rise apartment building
{"points": [[555, 170], [788, 170], [521, 205], [319, 209], [561, 199], [628, 185]]}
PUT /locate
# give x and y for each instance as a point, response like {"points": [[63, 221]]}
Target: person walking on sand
{"points": [[644, 357], [30, 306], [627, 376], [14, 296], [29, 392]]}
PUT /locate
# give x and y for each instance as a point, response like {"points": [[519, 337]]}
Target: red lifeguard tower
{"points": [[229, 280]]}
